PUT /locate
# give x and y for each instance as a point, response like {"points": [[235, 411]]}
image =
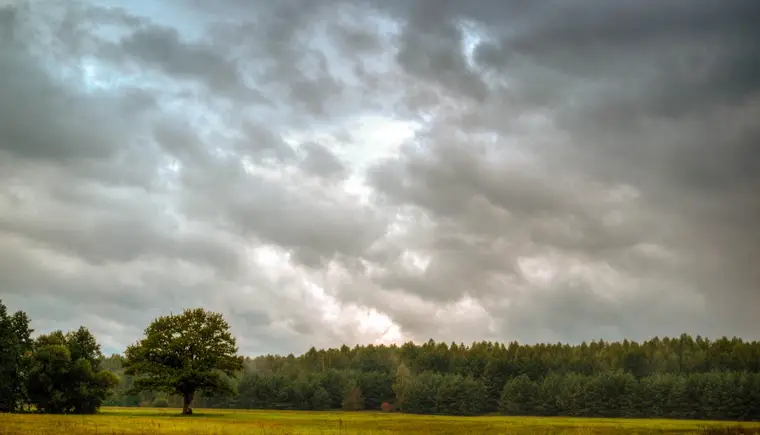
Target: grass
{"points": [[144, 421]]}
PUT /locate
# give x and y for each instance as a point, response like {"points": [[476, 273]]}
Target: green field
{"points": [[219, 422]]}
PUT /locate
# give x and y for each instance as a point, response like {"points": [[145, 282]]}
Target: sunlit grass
{"points": [[132, 421]]}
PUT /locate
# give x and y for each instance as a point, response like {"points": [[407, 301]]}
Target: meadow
{"points": [[144, 421]]}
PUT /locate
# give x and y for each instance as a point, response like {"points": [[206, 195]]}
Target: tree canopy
{"points": [[54, 373], [65, 374], [185, 354], [15, 343]]}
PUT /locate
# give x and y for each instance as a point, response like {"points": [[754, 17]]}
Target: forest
{"points": [[682, 377]]}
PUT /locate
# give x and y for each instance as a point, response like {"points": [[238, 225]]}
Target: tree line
{"points": [[192, 358], [682, 377]]}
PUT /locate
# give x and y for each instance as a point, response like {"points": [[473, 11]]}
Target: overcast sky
{"points": [[331, 171]]}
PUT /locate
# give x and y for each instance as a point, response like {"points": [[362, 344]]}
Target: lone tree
{"points": [[184, 354]]}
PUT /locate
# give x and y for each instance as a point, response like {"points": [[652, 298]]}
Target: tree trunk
{"points": [[188, 399]]}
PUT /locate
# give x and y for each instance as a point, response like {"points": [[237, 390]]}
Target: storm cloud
{"points": [[379, 171]]}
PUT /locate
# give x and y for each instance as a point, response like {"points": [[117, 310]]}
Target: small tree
{"points": [[401, 384], [184, 354], [353, 401]]}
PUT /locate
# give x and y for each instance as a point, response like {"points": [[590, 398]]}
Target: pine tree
{"points": [[519, 396]]}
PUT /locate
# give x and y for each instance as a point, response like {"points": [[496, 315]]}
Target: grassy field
{"points": [[233, 422]]}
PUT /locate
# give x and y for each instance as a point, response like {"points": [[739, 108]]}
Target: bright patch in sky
{"points": [[536, 270], [368, 322], [472, 36], [375, 323], [359, 142], [271, 257], [416, 260], [467, 309]]}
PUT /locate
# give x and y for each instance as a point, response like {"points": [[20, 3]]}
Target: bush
{"points": [[160, 402]]}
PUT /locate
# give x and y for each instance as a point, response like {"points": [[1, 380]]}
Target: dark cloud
{"points": [[162, 48], [431, 45], [320, 161], [576, 170], [36, 100], [260, 143]]}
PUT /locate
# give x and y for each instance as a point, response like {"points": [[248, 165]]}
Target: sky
{"points": [[331, 172]]}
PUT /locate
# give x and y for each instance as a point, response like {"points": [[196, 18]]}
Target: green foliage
{"points": [[15, 343], [376, 388], [713, 395], [519, 396], [400, 384], [65, 374], [421, 394], [185, 354], [160, 402], [459, 395], [320, 399]]}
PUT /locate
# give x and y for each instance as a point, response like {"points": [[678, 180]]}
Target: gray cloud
{"points": [[659, 93], [320, 161], [575, 170], [431, 45], [161, 48], [38, 100]]}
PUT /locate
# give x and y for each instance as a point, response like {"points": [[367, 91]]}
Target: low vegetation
{"points": [[124, 421]]}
